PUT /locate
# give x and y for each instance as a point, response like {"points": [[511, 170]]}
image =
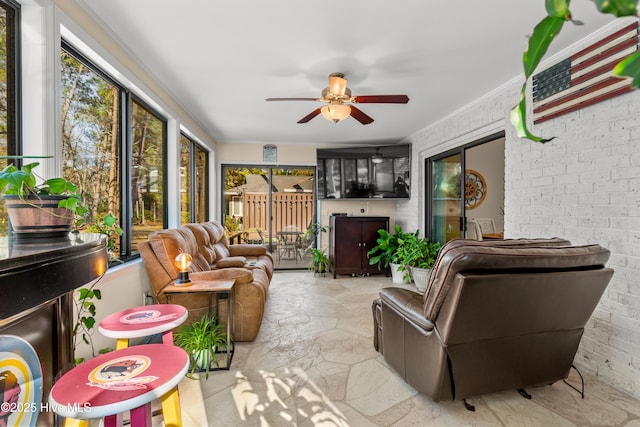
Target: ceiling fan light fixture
{"points": [[377, 157], [337, 84], [335, 112]]}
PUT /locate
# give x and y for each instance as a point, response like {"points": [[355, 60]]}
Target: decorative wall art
{"points": [[475, 189]]}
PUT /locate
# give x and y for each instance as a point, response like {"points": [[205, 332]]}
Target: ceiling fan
{"points": [[338, 98]]}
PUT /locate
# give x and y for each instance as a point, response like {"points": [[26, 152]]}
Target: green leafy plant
{"points": [[309, 238], [86, 321], [87, 296], [109, 227], [384, 252], [414, 251], [23, 182], [558, 12], [320, 262], [200, 340], [316, 228]]}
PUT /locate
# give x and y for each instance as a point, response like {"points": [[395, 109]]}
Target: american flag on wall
{"points": [[584, 78]]}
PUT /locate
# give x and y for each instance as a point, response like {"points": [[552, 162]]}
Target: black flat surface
{"points": [[34, 271]]}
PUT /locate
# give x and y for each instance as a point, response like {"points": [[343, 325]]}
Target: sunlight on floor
{"points": [[310, 401]]}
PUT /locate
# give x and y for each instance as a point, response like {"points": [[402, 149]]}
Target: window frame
{"points": [[193, 184], [14, 81], [125, 141]]}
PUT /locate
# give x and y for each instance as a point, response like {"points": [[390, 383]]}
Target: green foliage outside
{"points": [[235, 177], [91, 148]]}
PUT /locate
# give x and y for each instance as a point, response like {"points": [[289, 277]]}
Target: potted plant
{"points": [[200, 340], [320, 262], [384, 253], [386, 245], [417, 256], [45, 209]]}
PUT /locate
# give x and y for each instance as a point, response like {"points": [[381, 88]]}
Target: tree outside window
{"points": [[99, 142]]}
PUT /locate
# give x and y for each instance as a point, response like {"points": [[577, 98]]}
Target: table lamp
{"points": [[183, 262]]}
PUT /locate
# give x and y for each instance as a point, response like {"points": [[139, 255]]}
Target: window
{"points": [[193, 181], [9, 51], [185, 180], [114, 149], [148, 134], [9, 89]]}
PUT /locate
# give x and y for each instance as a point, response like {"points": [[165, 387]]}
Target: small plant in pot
{"points": [[49, 208], [200, 340], [320, 262]]}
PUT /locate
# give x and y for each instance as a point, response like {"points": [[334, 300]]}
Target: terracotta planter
{"points": [[38, 217]]}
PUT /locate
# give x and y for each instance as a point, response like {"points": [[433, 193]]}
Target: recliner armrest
{"points": [[409, 304]]}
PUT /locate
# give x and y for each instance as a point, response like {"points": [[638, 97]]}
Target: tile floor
{"points": [[313, 364]]}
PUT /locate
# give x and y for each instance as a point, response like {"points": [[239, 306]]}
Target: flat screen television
{"points": [[375, 172]]}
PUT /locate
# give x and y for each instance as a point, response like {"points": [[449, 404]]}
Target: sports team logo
{"points": [[123, 373]]}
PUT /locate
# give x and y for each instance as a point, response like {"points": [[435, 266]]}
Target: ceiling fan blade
{"points": [[309, 116], [382, 99], [291, 99], [360, 116]]}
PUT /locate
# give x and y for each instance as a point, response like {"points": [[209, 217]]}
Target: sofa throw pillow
{"points": [[231, 261]]}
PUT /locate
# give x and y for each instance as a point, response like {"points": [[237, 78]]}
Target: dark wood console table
{"points": [[37, 280]]}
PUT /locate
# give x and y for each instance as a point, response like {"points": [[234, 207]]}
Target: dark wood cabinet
{"points": [[351, 237]]}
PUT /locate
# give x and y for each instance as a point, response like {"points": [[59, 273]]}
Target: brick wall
{"points": [[584, 186]]}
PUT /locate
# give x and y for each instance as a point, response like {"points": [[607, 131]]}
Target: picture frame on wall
{"points": [[269, 153]]}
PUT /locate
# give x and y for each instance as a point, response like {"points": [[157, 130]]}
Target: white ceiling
{"points": [[220, 60]]}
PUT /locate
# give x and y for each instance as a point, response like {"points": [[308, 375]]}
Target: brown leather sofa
{"points": [[496, 315], [251, 266]]}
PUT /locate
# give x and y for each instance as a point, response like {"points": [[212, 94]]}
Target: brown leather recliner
{"points": [[496, 315], [251, 266]]}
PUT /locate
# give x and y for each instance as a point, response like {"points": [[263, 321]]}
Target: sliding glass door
{"points": [[273, 206], [465, 187], [446, 202]]}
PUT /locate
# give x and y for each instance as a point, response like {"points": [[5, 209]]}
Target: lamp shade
{"points": [[337, 84], [335, 112], [183, 261], [377, 157]]}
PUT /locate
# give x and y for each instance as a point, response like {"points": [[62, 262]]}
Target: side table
{"points": [[222, 289], [119, 381]]}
